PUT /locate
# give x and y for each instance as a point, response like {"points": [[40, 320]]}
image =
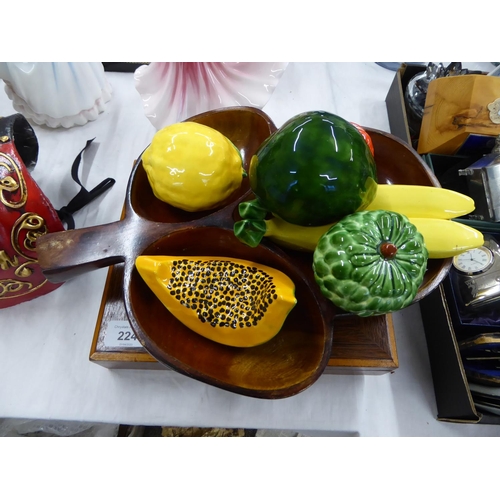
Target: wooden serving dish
{"points": [[361, 346], [298, 355]]}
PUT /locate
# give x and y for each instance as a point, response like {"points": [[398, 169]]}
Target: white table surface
{"points": [[45, 343]]}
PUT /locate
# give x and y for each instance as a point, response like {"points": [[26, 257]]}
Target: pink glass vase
{"points": [[174, 91]]}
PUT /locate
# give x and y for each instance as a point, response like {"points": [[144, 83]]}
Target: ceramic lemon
{"points": [[192, 167]]}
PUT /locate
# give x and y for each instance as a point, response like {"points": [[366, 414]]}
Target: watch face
{"points": [[474, 261]]}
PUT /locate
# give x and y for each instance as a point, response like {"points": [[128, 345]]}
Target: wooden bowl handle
{"points": [[66, 254]]}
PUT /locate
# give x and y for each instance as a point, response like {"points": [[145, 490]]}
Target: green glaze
{"points": [[252, 228], [352, 271], [252, 210], [250, 231], [314, 170]]}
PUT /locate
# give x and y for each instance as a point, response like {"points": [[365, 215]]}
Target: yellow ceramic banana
{"points": [[443, 238], [421, 201], [428, 208], [295, 237], [446, 238]]}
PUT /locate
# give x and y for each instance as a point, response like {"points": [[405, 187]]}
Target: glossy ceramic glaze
{"points": [[56, 94], [289, 363], [283, 366], [234, 302], [397, 163], [295, 358], [371, 262], [173, 91], [314, 170], [192, 167], [25, 213]]}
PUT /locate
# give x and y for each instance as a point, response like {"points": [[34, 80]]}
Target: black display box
{"points": [[439, 314], [453, 397]]}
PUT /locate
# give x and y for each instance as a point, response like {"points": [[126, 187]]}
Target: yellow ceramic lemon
{"points": [[192, 166]]}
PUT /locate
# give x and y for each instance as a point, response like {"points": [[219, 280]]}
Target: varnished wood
{"points": [[363, 345], [455, 107], [298, 355], [360, 345], [282, 367], [67, 254]]}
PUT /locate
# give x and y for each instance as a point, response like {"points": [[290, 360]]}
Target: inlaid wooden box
{"points": [[360, 345]]}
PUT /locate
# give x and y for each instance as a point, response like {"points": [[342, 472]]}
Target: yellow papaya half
{"points": [[234, 302]]}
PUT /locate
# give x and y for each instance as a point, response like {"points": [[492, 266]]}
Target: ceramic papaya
{"points": [[231, 301]]}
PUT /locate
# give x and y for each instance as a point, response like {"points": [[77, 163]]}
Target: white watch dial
{"points": [[474, 261]]}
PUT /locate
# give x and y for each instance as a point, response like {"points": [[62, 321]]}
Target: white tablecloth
{"points": [[45, 343]]}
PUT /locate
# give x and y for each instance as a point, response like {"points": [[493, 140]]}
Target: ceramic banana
{"points": [[428, 208], [446, 238], [421, 201], [443, 238]]}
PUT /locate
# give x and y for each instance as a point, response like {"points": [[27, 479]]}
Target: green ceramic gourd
{"points": [[371, 262]]}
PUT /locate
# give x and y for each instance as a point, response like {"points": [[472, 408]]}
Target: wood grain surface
{"points": [[360, 345], [301, 351], [455, 107]]}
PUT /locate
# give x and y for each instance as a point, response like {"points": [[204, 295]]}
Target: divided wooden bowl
{"points": [[290, 362]]}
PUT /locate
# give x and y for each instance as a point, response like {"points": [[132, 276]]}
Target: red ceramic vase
{"points": [[25, 214]]}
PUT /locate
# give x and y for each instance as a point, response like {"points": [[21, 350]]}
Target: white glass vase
{"points": [[56, 94]]}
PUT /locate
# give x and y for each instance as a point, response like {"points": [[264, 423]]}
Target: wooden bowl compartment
{"points": [[282, 366]]}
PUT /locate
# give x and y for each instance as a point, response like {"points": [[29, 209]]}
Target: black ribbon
{"points": [[84, 197]]}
